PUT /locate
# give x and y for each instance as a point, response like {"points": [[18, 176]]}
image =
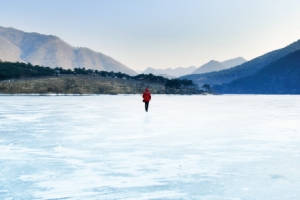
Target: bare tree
{"points": [[69, 83]]}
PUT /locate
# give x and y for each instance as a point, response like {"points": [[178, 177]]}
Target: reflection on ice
{"points": [[185, 147]]}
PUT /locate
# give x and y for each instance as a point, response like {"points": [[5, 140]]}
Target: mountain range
{"points": [[213, 65], [49, 50], [276, 72], [170, 73], [182, 71], [279, 77], [243, 70]]}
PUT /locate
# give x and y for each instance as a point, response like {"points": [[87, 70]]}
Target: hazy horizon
{"points": [[161, 34]]}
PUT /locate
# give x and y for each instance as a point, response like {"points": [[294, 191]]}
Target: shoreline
{"points": [[36, 94]]}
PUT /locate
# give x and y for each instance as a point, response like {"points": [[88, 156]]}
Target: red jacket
{"points": [[146, 95]]}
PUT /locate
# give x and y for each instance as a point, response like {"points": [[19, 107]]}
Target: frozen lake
{"points": [[185, 147]]}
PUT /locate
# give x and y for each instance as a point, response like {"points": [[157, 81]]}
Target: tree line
{"points": [[10, 70], [16, 70]]}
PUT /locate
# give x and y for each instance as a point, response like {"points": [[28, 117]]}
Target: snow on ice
{"points": [[185, 147]]}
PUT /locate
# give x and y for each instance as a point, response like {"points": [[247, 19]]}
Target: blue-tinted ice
{"points": [[185, 147]]}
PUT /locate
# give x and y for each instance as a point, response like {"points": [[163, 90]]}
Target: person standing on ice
{"points": [[147, 98]]}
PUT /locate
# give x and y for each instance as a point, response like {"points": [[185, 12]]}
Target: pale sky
{"points": [[161, 33]]}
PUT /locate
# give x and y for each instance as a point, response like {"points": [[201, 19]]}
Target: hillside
{"points": [[49, 50], [78, 84], [245, 69], [87, 84], [279, 77]]}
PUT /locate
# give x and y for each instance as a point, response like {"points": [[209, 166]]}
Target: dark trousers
{"points": [[146, 106]]}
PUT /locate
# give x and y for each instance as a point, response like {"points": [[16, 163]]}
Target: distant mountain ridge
{"points": [[234, 62], [180, 71], [243, 70], [49, 50], [213, 65], [208, 67], [279, 77]]}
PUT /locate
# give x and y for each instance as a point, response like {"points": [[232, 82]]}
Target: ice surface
{"points": [[185, 147]]}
